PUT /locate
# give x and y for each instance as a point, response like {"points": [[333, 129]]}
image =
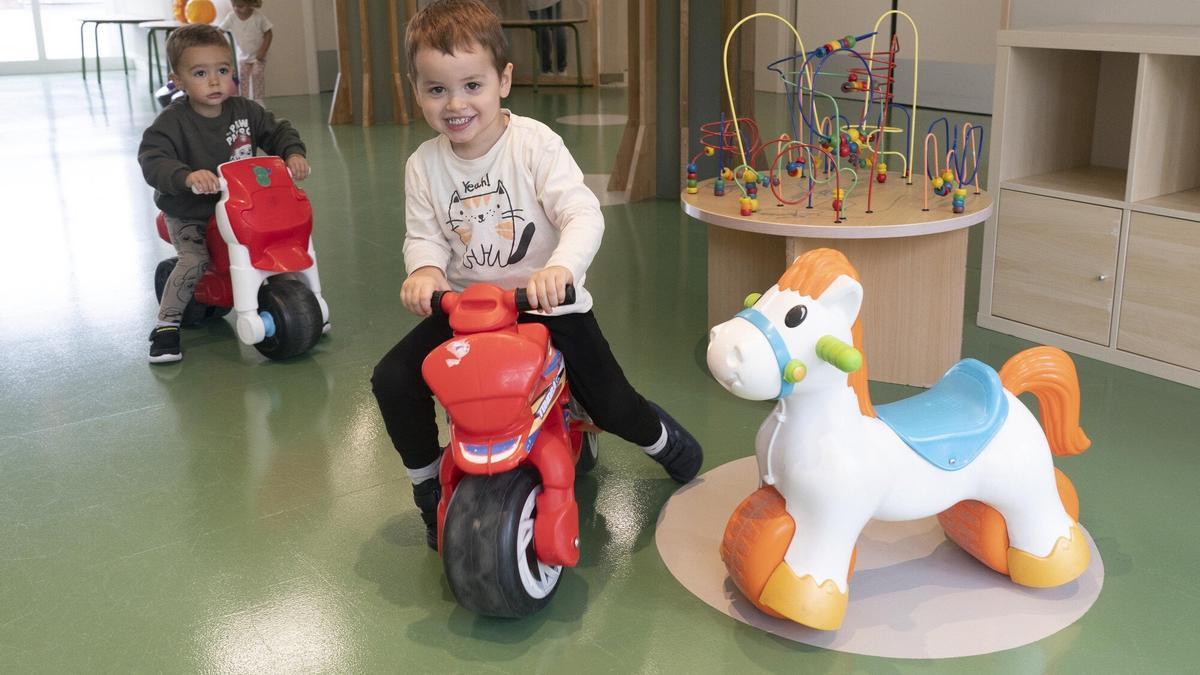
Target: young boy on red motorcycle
{"points": [[497, 198], [180, 153]]}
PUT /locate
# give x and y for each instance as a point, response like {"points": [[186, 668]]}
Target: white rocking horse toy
{"points": [[967, 450]]}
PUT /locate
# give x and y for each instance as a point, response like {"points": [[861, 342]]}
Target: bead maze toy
{"points": [[829, 460], [826, 148]]}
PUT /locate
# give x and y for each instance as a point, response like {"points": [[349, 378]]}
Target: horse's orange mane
{"points": [[810, 275]]}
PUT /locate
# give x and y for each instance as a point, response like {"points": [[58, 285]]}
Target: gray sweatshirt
{"points": [[181, 141]]}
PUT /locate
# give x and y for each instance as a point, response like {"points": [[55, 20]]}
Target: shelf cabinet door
{"points": [[1055, 264], [1160, 299]]}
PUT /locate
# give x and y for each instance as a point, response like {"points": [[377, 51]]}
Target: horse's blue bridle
{"points": [[782, 355]]}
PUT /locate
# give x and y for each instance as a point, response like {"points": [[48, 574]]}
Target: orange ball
{"points": [[177, 11], [200, 11]]}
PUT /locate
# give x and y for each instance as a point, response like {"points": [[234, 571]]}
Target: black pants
{"points": [[594, 376], [548, 36]]}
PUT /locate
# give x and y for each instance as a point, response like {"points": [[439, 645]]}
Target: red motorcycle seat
{"points": [[486, 380], [268, 214], [536, 332]]}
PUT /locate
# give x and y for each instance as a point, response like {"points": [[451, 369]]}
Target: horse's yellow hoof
{"points": [[800, 599], [1067, 560]]}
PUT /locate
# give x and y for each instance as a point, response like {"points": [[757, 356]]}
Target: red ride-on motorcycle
{"points": [[507, 521], [262, 262]]}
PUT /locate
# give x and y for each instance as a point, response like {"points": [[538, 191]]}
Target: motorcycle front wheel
{"points": [[487, 545], [296, 314]]}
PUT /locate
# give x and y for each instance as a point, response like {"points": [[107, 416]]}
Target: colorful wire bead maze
{"points": [[827, 151]]}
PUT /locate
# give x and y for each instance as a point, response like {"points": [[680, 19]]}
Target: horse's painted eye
{"points": [[795, 316]]}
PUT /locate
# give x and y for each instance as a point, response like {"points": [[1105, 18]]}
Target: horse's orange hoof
{"points": [[1067, 560], [802, 600]]}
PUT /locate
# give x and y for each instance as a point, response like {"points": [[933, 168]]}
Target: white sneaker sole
{"points": [[166, 358]]}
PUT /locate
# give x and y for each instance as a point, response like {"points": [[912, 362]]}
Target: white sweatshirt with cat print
{"points": [[498, 219]]}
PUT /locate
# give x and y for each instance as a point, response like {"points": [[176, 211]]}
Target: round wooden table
{"points": [[120, 21], [912, 263]]}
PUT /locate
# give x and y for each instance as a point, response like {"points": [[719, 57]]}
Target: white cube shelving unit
{"points": [[1095, 242]]}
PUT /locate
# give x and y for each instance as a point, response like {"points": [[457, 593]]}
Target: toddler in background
{"points": [[252, 35], [180, 153]]}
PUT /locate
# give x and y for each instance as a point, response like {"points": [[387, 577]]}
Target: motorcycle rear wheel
{"points": [[487, 545], [589, 452], [589, 441], [194, 313]]}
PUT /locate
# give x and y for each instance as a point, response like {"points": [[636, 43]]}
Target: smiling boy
{"points": [[180, 153], [497, 198]]}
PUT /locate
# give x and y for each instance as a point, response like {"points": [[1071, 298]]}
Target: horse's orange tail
{"points": [[1049, 374]]}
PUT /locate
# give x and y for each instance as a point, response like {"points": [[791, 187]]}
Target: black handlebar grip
{"points": [[521, 298], [435, 303]]}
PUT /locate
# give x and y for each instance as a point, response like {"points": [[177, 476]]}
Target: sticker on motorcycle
{"points": [[460, 349]]}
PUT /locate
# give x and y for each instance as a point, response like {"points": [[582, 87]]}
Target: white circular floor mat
{"points": [[914, 593]]}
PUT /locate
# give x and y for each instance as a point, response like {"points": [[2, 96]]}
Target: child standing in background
{"points": [[252, 34]]}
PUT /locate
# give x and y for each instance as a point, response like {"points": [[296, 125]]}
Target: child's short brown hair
{"points": [[193, 35], [455, 25], [256, 4]]}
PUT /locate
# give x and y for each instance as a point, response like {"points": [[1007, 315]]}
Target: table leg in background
{"points": [[82, 53], [96, 47], [124, 62], [578, 58], [913, 301]]}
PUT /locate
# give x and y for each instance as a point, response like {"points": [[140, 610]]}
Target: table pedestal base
{"points": [[913, 309]]}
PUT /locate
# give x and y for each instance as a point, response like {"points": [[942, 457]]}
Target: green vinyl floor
{"points": [[230, 514]]}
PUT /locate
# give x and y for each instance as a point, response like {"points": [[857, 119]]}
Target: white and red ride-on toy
{"points": [[263, 265]]}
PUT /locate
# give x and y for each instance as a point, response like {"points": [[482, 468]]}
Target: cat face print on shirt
{"points": [[488, 226]]}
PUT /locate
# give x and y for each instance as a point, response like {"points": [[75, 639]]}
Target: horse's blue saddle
{"points": [[952, 422]]}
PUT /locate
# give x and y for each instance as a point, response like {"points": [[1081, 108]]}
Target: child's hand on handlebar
{"points": [[298, 165], [204, 182], [418, 289], [548, 287]]}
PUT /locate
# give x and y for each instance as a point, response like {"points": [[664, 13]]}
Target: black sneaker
{"points": [[164, 345], [682, 455], [426, 495]]}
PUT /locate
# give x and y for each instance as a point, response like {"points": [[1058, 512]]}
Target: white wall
{"points": [[956, 42], [292, 60], [1027, 13], [613, 36], [326, 25]]}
